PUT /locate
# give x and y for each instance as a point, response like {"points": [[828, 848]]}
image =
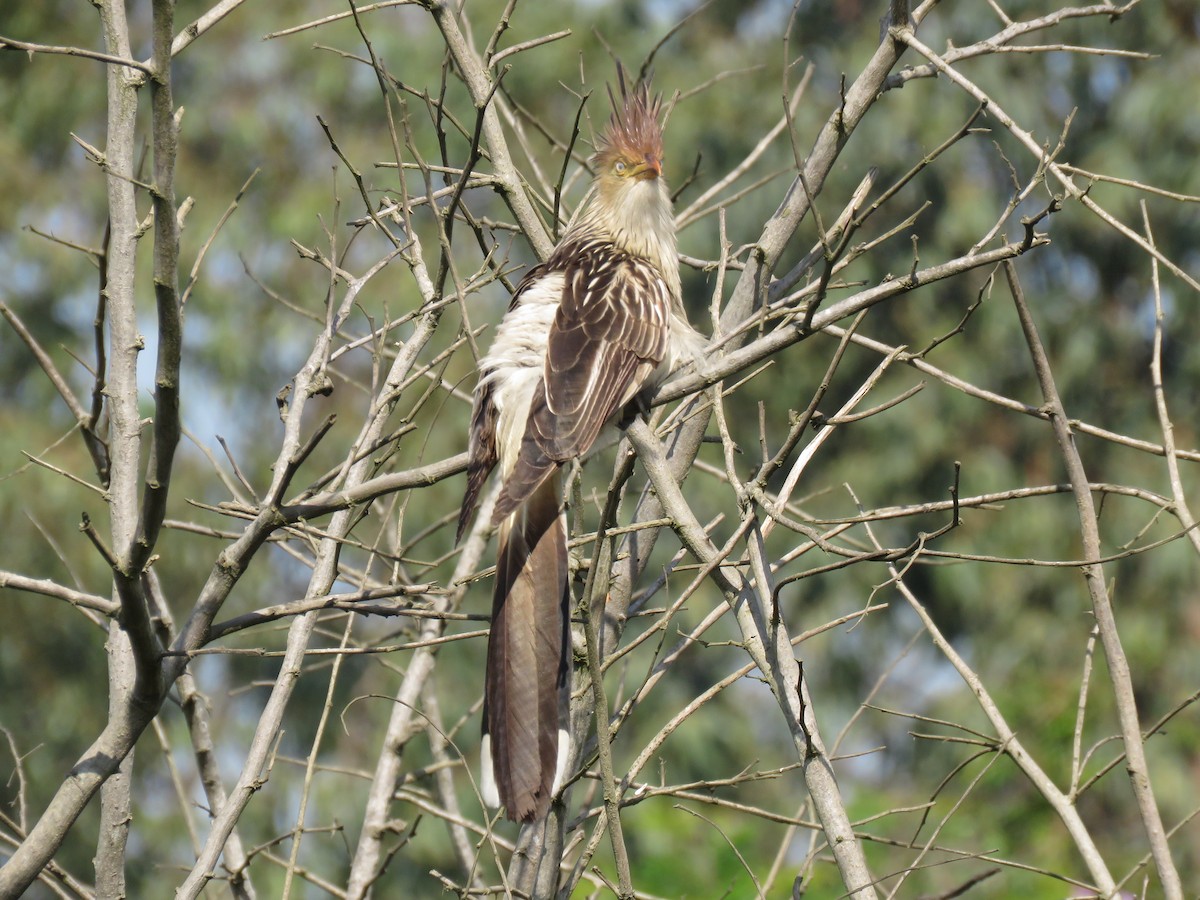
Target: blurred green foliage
{"points": [[253, 105]]}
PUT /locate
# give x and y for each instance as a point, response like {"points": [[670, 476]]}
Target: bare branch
{"points": [[1114, 652]]}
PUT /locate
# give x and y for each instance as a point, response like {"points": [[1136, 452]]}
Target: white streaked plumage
{"points": [[513, 366]]}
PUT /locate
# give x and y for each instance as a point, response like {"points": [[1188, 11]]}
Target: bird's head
{"points": [[629, 151], [632, 206]]}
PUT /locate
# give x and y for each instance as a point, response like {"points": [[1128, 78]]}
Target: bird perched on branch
{"points": [[598, 322]]}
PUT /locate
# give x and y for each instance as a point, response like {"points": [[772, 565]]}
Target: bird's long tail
{"points": [[528, 660]]}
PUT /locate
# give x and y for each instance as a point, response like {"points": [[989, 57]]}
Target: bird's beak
{"points": [[651, 168]]}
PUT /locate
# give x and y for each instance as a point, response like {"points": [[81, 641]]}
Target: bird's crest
{"points": [[634, 130]]}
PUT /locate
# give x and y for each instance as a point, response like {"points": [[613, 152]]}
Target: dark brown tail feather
{"points": [[526, 665]]}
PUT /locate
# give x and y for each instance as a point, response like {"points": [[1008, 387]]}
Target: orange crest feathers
{"points": [[633, 130]]}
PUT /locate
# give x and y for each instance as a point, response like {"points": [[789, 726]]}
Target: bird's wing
{"points": [[481, 454], [609, 334]]}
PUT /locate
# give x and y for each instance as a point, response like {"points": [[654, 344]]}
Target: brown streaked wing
{"points": [[481, 454], [532, 468], [609, 334]]}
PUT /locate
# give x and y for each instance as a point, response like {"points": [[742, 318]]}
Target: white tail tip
{"points": [[487, 775], [560, 768]]}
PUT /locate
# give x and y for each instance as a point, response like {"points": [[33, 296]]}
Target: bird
{"points": [[589, 330]]}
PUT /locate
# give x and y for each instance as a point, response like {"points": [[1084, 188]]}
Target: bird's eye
{"points": [[619, 167]]}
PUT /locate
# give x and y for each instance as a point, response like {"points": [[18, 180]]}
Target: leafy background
{"points": [[251, 105]]}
